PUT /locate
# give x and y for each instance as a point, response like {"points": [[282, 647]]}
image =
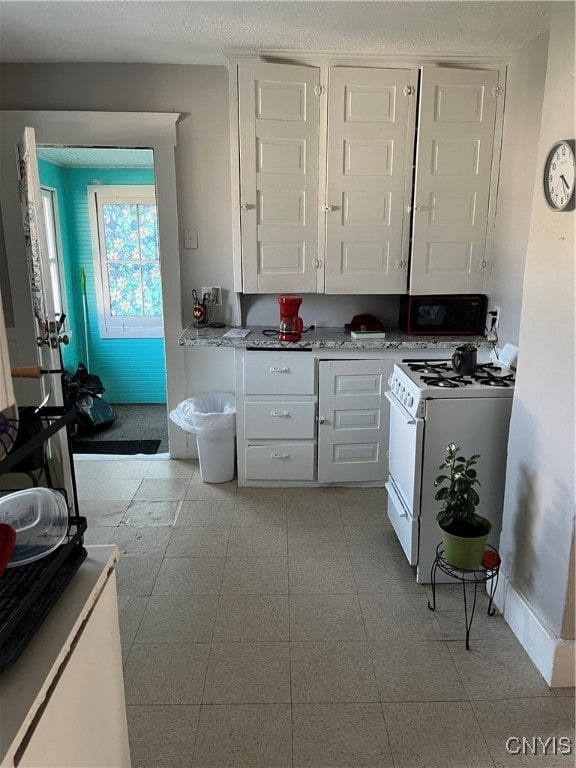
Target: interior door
{"points": [[47, 324], [353, 420], [279, 135], [371, 116], [452, 192]]}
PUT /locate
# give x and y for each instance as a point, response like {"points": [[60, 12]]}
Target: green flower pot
{"points": [[465, 552]]}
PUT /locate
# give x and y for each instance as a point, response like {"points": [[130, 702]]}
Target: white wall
{"points": [[522, 111], [538, 528], [200, 94]]}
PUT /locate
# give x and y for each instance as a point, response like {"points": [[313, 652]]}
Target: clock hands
{"points": [[564, 181]]}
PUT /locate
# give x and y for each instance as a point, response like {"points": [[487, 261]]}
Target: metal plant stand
{"points": [[482, 575]]}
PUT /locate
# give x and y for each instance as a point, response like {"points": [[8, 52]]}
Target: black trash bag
{"points": [[93, 413], [81, 391]]}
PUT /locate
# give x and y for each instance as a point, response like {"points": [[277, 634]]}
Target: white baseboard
{"points": [[553, 657]]}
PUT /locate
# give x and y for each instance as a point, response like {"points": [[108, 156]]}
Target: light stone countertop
{"points": [[320, 338]]}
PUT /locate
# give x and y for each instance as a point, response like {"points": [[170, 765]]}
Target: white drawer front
{"points": [[282, 420], [283, 374], [281, 461], [405, 525]]}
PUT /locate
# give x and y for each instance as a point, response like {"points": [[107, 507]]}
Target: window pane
{"points": [[121, 232], [148, 232], [125, 285], [151, 290]]}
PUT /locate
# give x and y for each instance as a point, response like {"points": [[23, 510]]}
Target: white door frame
{"points": [[156, 131]]}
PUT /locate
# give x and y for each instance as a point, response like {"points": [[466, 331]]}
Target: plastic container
{"points": [[212, 418], [40, 518]]}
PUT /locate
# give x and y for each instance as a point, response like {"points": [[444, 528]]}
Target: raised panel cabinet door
{"points": [[371, 116], [279, 134], [353, 420], [452, 188]]}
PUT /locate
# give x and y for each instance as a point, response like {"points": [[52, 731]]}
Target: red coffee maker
{"points": [[291, 325]]}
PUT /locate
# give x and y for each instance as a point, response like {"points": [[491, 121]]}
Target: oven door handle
{"points": [[399, 407]]}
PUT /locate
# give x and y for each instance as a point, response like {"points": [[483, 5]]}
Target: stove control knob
{"points": [[409, 401]]}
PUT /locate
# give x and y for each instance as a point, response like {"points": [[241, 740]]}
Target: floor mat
{"points": [[123, 447]]}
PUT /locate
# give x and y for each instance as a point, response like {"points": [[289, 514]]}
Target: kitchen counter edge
{"points": [[320, 338]]}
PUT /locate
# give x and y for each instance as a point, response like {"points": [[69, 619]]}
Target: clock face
{"points": [[559, 177]]}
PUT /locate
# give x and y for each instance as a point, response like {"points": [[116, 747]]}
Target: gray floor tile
{"points": [[314, 514], [110, 469], [162, 736], [504, 723], [178, 619], [136, 574], [248, 673], [166, 673], [205, 513], [151, 513], [512, 674], [162, 489], [171, 468], [384, 574], [453, 626], [93, 489], [150, 542], [340, 736], [321, 575], [223, 493], [317, 542], [107, 513], [332, 672], [326, 617], [257, 541], [367, 542], [198, 541], [392, 614], [189, 576], [416, 670], [256, 514], [569, 708], [244, 736], [130, 612], [426, 735], [255, 575], [252, 617], [374, 520]]}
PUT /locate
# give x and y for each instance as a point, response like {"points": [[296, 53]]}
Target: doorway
{"points": [[100, 206], [152, 131]]}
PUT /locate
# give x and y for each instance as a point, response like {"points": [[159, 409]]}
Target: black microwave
{"points": [[439, 315]]}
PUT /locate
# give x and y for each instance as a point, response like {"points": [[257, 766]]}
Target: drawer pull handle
{"points": [[279, 370], [280, 414], [280, 455]]}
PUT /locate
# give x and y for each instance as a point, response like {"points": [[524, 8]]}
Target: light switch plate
{"points": [[191, 239]]}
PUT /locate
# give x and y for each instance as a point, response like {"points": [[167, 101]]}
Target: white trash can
{"points": [[212, 418]]}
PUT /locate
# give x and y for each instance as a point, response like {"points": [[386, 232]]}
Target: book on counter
{"points": [[356, 335]]}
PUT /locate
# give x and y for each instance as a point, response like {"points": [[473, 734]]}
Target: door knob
{"points": [[321, 420]]}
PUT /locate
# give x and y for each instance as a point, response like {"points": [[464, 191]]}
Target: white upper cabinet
{"points": [[343, 189], [369, 178], [278, 127], [452, 187]]}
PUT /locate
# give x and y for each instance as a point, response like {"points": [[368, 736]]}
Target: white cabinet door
{"points": [[369, 170], [353, 420], [453, 168], [279, 129]]}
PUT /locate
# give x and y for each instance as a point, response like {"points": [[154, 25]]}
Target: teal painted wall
{"points": [[132, 370]]}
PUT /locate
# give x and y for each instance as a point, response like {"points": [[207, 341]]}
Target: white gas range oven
{"points": [[430, 407]]}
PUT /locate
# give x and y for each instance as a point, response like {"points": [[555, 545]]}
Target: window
{"points": [[52, 228], [126, 261]]}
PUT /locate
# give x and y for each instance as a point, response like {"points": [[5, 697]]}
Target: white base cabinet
{"points": [[304, 420]]}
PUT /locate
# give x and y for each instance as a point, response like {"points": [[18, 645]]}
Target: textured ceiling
{"points": [[197, 32], [97, 157]]}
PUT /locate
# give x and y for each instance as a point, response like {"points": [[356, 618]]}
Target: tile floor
{"points": [[285, 628]]}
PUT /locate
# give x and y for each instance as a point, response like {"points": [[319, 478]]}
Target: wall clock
{"points": [[558, 177]]}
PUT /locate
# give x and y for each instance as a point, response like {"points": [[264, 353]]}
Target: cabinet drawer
{"points": [[283, 374], [281, 461], [282, 420]]}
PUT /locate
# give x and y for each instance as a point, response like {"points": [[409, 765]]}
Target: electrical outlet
{"points": [[493, 319], [215, 294]]}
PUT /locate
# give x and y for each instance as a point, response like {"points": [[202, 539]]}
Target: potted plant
{"points": [[464, 532]]}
